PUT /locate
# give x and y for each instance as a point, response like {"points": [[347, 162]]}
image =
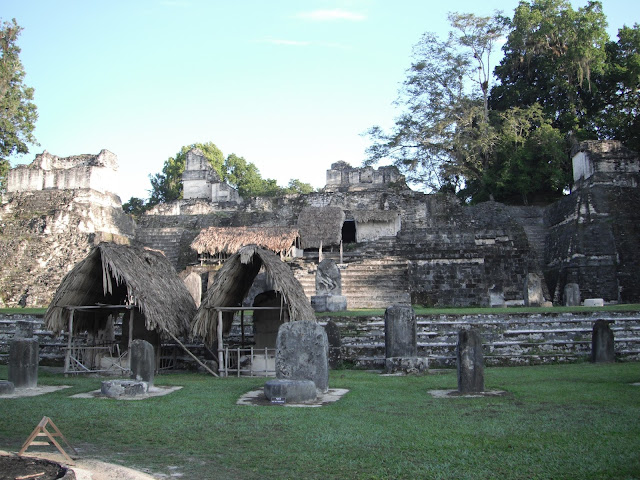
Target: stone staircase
{"points": [[508, 339], [532, 221], [165, 239]]}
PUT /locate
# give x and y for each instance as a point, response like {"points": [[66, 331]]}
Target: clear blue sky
{"points": [[289, 85]]}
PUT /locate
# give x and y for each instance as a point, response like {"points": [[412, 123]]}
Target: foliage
{"points": [[167, 186], [135, 206], [18, 113], [551, 53], [615, 109], [561, 422], [235, 170]]}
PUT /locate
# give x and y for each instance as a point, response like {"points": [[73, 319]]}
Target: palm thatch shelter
{"points": [[139, 283], [225, 241], [320, 226], [232, 283]]}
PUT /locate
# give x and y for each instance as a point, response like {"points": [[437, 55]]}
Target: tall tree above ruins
{"points": [[18, 113]]}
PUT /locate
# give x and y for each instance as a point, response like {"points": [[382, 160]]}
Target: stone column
{"points": [[333, 337], [24, 355], [602, 346], [571, 295], [302, 351], [143, 361], [400, 332], [470, 362]]}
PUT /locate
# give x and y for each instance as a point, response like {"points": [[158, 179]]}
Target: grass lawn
{"points": [[560, 421]]}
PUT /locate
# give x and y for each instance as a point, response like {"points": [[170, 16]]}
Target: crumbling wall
{"points": [[44, 233]]}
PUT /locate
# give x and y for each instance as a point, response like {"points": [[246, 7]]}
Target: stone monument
{"points": [[470, 362], [24, 356], [301, 355], [400, 339], [143, 361], [328, 297], [571, 295], [335, 344], [602, 346]]}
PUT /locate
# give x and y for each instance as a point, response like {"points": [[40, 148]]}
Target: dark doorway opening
{"points": [[349, 231]]}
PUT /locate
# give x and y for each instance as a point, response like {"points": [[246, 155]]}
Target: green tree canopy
{"points": [[235, 170], [18, 113]]}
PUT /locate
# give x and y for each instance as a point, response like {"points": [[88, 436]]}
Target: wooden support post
{"points": [[221, 367], [192, 355], [130, 332], [67, 357], [242, 326]]}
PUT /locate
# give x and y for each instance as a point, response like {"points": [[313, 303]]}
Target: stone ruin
{"points": [[302, 366], [200, 181], [470, 362], [24, 358], [328, 297], [400, 339]]}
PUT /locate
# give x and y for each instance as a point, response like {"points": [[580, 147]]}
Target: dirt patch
{"points": [[257, 398], [23, 468]]}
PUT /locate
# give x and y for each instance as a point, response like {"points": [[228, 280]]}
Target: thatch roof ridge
{"points": [[229, 240], [365, 216], [234, 279], [151, 283], [320, 225]]}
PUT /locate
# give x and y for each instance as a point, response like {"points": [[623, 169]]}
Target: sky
{"points": [[290, 85]]}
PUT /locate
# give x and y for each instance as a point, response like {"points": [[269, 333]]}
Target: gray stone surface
{"points": [[292, 391], [143, 361], [24, 356], [302, 351], [329, 303], [602, 344], [533, 294], [193, 282], [410, 365], [119, 388], [6, 387], [572, 295], [470, 362], [328, 278], [400, 335], [335, 344], [594, 302], [24, 329]]}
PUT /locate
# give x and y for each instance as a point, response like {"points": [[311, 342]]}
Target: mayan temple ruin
{"points": [[392, 244]]}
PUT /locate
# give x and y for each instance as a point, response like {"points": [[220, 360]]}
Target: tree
{"points": [[246, 178], [615, 110], [296, 187], [167, 186], [444, 137], [550, 56], [18, 113], [135, 206]]}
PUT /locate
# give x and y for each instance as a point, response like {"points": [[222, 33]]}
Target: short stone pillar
{"points": [[400, 341], [193, 282], [328, 297], [24, 356], [533, 295], [470, 362], [400, 332], [302, 351], [602, 346], [142, 361], [24, 329], [335, 344], [571, 295]]}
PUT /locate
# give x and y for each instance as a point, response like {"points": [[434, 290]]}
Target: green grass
{"points": [[560, 422], [23, 311]]}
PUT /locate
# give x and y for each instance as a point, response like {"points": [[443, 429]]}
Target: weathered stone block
{"points": [[24, 356], [292, 391], [571, 295], [410, 365], [400, 334], [302, 351], [602, 344], [143, 361], [533, 295], [594, 302], [335, 344], [329, 303], [6, 387], [119, 388], [470, 362]]}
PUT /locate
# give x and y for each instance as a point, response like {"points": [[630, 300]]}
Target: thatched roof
{"points": [[320, 225], [123, 274], [366, 216], [229, 240], [233, 281]]}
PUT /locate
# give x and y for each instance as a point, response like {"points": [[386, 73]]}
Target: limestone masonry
{"points": [[392, 244]]}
